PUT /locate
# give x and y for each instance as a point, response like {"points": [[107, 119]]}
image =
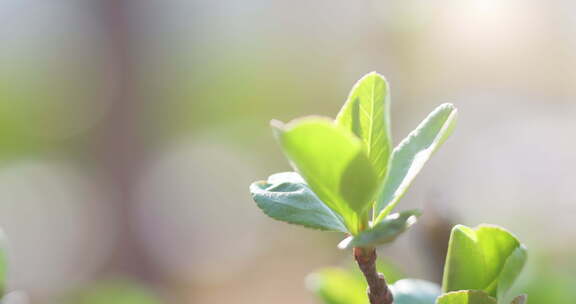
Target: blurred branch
{"points": [[119, 138]]}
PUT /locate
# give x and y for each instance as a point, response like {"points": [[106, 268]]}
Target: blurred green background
{"points": [[131, 129]]}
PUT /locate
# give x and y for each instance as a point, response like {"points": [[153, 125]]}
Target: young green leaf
{"points": [[333, 163], [286, 197], [367, 114], [510, 272], [384, 232], [466, 297], [413, 291], [521, 299], [412, 153], [486, 258]]}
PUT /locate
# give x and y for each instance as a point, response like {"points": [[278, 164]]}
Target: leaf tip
{"points": [[447, 105], [345, 243], [375, 74], [277, 124], [278, 127], [256, 186], [498, 228], [464, 230]]}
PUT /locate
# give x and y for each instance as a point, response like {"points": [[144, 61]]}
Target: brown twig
{"points": [[378, 291]]}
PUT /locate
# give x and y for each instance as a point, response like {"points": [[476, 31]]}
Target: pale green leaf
{"points": [[484, 258], [510, 272], [464, 267], [286, 197], [384, 232], [367, 114], [412, 153], [413, 291], [333, 163], [466, 297]]}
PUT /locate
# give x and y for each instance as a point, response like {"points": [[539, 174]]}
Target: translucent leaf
{"points": [[486, 258], [333, 163], [510, 272], [367, 114], [412, 153]]}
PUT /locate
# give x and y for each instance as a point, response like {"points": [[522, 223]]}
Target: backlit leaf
{"points": [[486, 258], [333, 163], [367, 114], [412, 153], [510, 272]]}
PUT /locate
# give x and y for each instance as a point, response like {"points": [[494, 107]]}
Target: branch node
{"points": [[378, 291]]}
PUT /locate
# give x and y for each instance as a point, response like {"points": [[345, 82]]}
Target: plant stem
{"points": [[378, 291]]}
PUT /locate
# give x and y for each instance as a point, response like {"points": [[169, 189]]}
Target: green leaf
{"points": [[510, 272], [367, 114], [337, 286], [413, 291], [486, 258], [521, 299], [412, 153], [333, 163], [466, 297], [286, 197], [384, 232]]}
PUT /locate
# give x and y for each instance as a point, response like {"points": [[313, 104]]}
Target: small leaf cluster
{"points": [[481, 266], [347, 176], [349, 179]]}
